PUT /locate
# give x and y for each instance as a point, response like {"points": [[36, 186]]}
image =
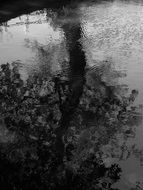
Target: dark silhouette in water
{"points": [[36, 177], [76, 83], [39, 154], [77, 57]]}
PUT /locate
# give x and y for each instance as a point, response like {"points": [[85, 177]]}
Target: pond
{"points": [[112, 40]]}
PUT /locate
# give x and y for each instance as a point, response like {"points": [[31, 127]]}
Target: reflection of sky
{"points": [[111, 30], [12, 39], [132, 172], [116, 30]]}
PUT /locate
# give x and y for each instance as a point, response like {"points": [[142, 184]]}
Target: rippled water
{"points": [[21, 38], [111, 31]]}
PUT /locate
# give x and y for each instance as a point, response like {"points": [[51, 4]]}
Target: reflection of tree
{"points": [[65, 127], [105, 119], [33, 112], [114, 113], [33, 123], [62, 125]]}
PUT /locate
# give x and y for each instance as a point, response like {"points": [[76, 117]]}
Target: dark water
{"points": [[112, 32]]}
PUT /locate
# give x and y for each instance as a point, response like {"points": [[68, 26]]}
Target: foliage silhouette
{"points": [[27, 161], [30, 115]]}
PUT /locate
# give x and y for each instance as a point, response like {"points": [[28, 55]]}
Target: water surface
{"points": [[111, 31]]}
